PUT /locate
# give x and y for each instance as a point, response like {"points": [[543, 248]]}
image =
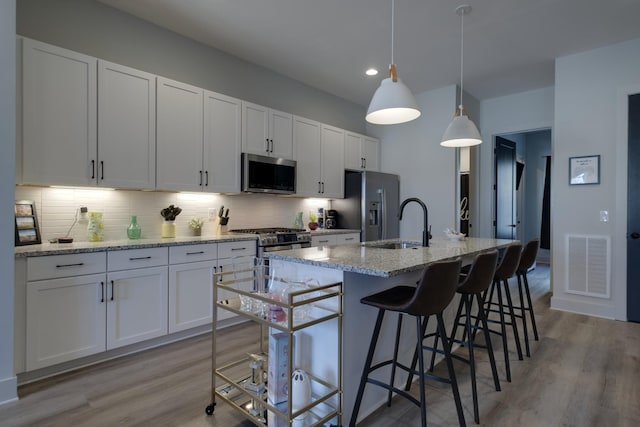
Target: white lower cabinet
{"points": [[136, 306], [65, 319]]}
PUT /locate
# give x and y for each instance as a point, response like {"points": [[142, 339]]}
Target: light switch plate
{"points": [[604, 216], [211, 214]]}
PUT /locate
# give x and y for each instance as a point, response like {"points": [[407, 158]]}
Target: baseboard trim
{"points": [[8, 390], [587, 308]]}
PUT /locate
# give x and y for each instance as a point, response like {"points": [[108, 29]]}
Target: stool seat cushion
{"points": [[394, 299]]}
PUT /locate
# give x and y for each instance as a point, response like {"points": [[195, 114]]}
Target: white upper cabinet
{"points": [[332, 162], [126, 127], [59, 116], [361, 152], [222, 143], [320, 159], [266, 131], [179, 137]]}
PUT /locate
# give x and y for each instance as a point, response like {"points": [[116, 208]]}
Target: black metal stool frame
{"points": [[421, 322]]}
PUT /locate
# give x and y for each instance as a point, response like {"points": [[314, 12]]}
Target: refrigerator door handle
{"points": [[383, 214]]}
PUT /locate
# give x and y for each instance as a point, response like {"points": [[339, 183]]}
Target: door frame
{"points": [[619, 242]]}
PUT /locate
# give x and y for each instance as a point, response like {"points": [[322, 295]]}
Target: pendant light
{"points": [[461, 132], [393, 102]]}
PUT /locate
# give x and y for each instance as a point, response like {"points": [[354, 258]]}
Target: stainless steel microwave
{"points": [[262, 174]]}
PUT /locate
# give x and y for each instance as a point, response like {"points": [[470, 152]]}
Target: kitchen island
{"points": [[365, 269]]}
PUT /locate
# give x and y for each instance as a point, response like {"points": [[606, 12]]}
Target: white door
{"points": [[307, 139], [255, 129], [222, 143], [59, 116], [281, 134], [190, 295], [65, 319], [370, 148], [136, 305], [179, 136], [126, 127], [353, 158], [332, 162]]}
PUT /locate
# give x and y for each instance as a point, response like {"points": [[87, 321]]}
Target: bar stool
{"points": [[506, 269], [432, 295], [528, 257], [477, 281]]}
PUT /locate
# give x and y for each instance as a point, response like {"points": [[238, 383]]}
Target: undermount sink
{"points": [[393, 245]]}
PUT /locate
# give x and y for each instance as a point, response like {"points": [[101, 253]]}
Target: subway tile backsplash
{"points": [[56, 209]]}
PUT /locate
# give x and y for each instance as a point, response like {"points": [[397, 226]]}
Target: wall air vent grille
{"points": [[588, 265]]}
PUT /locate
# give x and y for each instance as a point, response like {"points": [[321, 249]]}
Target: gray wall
{"points": [[95, 29], [7, 186]]}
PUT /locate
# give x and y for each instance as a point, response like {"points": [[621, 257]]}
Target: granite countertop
{"points": [[81, 247], [373, 261]]}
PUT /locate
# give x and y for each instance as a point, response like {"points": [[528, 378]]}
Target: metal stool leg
{"points": [[514, 325], [367, 367], [503, 330], [523, 316], [452, 374], [533, 319], [395, 357], [414, 361], [472, 361], [423, 398], [487, 337]]}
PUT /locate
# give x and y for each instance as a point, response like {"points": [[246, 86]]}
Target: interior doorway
{"points": [[521, 187], [633, 210]]}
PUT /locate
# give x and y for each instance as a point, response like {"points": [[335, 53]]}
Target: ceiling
{"points": [[510, 45]]}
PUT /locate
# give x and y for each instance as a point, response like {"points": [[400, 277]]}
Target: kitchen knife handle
{"points": [[93, 169], [102, 169], [112, 291]]}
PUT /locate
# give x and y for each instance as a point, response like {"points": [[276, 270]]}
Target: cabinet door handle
{"points": [[139, 258], [318, 187], [200, 179], [365, 162], [195, 253], [220, 279], [266, 145], [237, 249], [322, 187], [206, 175], [271, 146], [70, 265], [101, 291], [93, 169], [112, 290], [102, 169]]}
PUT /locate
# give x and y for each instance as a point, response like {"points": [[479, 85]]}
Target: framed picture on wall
{"points": [[26, 223], [584, 170]]}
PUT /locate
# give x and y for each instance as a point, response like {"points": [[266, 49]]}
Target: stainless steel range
{"points": [[278, 239]]}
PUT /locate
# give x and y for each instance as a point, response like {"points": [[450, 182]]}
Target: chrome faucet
{"points": [[425, 231]]}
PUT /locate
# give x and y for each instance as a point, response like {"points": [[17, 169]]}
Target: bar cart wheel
{"points": [[210, 408]]}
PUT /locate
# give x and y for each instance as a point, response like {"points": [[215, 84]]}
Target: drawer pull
{"points": [[139, 258], [101, 291], [238, 249], [349, 238], [80, 264], [195, 253], [323, 241]]}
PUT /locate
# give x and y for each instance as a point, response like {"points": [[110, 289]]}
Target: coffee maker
{"points": [[331, 220]]}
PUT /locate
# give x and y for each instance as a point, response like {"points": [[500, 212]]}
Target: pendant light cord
{"points": [[461, 58], [393, 3]]}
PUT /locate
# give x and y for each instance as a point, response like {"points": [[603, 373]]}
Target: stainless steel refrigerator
{"points": [[371, 204]]}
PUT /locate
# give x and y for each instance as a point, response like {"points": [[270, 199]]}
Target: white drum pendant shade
{"points": [[392, 103], [461, 132]]}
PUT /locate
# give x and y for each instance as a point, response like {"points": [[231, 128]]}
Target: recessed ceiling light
{"points": [[371, 72]]}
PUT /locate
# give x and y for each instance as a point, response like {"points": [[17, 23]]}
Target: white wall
{"points": [[427, 170], [590, 118], [8, 382], [95, 29], [520, 112]]}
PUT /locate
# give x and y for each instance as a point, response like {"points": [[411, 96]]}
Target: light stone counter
{"points": [[373, 261], [114, 245]]}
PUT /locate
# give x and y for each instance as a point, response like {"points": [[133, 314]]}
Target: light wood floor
{"points": [[584, 371]]}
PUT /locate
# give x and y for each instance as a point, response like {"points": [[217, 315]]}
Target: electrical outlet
{"points": [[83, 214], [211, 214], [604, 216]]}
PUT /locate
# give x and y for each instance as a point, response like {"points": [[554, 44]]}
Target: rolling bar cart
{"points": [[283, 308]]}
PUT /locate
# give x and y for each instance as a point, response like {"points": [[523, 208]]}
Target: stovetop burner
{"points": [[268, 230], [278, 237]]}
